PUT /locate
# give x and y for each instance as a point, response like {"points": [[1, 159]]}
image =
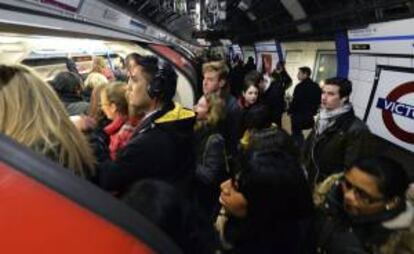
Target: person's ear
{"points": [[113, 107], [344, 99], [222, 82]]}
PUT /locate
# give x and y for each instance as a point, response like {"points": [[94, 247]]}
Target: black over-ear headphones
{"points": [[164, 83], [154, 89]]}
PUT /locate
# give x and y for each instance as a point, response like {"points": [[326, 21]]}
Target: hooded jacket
{"points": [[389, 232], [160, 148]]}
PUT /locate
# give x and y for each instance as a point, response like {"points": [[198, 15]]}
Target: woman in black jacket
{"points": [[210, 151], [267, 207]]}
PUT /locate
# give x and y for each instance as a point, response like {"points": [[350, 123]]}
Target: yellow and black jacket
{"points": [[160, 148]]}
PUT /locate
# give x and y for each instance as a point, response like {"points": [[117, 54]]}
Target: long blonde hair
{"points": [[216, 111], [98, 64], [32, 114], [95, 79]]}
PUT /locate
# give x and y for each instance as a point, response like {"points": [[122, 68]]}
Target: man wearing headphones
{"points": [[338, 137], [161, 146]]}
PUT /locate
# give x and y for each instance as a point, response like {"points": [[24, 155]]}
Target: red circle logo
{"points": [[388, 117]]}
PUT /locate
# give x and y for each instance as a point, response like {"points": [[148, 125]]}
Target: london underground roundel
{"points": [[390, 107]]}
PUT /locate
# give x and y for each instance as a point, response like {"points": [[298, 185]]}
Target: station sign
{"points": [[390, 111], [391, 37]]}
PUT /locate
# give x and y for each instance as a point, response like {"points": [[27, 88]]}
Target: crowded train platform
{"points": [[121, 134]]}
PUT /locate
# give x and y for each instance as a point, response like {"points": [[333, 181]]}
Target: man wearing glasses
{"points": [[365, 210]]}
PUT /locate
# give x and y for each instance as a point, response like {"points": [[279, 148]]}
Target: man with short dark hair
{"points": [[273, 96], [338, 137], [161, 146], [68, 86], [304, 105], [281, 77]]}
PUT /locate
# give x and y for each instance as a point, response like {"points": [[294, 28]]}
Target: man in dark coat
{"points": [[281, 77], [339, 137], [305, 104], [161, 147], [236, 78], [273, 96], [250, 65]]}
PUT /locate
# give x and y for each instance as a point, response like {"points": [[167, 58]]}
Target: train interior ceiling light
{"points": [[48, 55]]}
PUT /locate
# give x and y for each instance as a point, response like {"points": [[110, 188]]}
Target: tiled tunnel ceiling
{"points": [[247, 21]]}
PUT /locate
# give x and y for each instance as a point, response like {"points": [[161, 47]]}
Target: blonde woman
{"points": [[93, 80], [100, 66], [32, 114], [210, 150]]}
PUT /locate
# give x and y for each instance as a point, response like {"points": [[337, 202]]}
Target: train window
{"points": [[48, 56], [44, 61], [82, 58], [325, 66]]}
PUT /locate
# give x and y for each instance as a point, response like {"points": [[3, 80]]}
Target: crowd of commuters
{"points": [[224, 177]]}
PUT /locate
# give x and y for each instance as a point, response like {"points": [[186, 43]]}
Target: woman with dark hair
{"points": [[365, 209], [267, 207], [250, 93], [262, 135]]}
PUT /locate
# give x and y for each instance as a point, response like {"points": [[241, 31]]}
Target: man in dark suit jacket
{"points": [[304, 105], [273, 96]]}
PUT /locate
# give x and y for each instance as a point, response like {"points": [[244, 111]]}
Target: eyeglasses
{"points": [[360, 194]]}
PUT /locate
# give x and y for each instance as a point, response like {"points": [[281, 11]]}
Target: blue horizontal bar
{"points": [[137, 24], [385, 38]]}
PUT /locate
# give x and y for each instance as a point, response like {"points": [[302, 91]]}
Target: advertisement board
{"points": [[266, 56]]}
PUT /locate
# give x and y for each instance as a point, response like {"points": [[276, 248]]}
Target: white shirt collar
{"points": [[267, 81]]}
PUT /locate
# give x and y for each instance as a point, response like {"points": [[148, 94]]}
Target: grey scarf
{"points": [[327, 118]]}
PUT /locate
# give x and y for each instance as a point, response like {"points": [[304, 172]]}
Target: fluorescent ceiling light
{"points": [[297, 12], [251, 16], [244, 5]]}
